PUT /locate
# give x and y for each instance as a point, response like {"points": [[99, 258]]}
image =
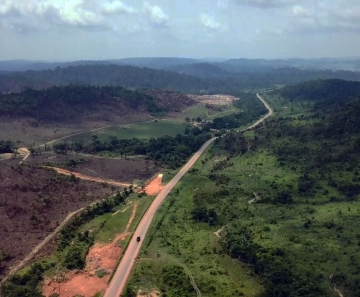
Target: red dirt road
{"points": [[90, 178]]}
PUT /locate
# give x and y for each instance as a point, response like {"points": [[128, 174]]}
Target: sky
{"points": [[61, 30]]}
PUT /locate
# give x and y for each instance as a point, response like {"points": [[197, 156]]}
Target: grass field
{"points": [[152, 129]]}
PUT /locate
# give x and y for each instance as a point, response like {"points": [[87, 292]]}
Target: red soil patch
{"points": [[154, 186], [86, 283]]}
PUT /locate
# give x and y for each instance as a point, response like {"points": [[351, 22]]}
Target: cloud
{"points": [[76, 13], [155, 14], [333, 17], [265, 3], [116, 7], [210, 23]]}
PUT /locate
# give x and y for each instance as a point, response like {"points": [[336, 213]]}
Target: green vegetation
{"points": [[6, 146], [286, 200], [252, 110], [147, 130], [171, 151], [74, 102]]}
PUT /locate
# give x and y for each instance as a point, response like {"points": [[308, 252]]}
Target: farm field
{"points": [[29, 134], [151, 129]]}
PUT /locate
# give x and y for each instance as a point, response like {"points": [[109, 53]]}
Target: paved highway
{"points": [[122, 273]]}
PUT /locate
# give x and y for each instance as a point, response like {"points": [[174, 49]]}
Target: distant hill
{"points": [[206, 78], [331, 90], [231, 65], [155, 63], [78, 103], [201, 70]]}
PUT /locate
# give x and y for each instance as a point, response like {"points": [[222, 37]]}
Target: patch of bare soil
{"points": [[101, 258], [154, 186], [214, 99], [33, 202], [105, 168], [89, 178], [30, 131]]}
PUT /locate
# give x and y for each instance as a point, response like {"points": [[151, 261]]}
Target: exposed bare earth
{"points": [[154, 186], [30, 133], [116, 169], [89, 178], [33, 202], [101, 257], [214, 99]]}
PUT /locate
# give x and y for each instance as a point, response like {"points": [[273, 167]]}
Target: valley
{"points": [[270, 208]]}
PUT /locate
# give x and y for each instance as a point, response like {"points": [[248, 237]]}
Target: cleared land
{"points": [[120, 170], [33, 202], [151, 129]]}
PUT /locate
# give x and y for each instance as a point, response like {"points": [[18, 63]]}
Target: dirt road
{"points": [[90, 178], [270, 113], [122, 273], [42, 244]]}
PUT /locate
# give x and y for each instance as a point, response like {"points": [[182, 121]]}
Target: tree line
{"points": [[166, 150]]}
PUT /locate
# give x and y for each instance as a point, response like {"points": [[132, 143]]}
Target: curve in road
{"points": [[123, 271]]}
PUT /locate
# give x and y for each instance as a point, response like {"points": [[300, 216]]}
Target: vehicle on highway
{"points": [[138, 239]]}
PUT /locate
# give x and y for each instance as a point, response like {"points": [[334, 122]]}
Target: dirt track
{"points": [[89, 178]]}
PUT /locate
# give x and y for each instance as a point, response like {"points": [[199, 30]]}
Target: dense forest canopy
{"points": [[78, 102], [191, 78], [330, 90]]}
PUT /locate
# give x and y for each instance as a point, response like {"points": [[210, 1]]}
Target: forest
{"points": [[170, 151], [252, 108], [75, 102], [6, 146], [194, 78], [322, 149]]}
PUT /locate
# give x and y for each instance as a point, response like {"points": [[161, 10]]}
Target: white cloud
{"points": [[155, 14], [116, 7], [76, 13], [209, 22], [330, 18]]}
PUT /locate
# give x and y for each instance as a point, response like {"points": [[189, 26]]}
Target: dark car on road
{"points": [[138, 239]]}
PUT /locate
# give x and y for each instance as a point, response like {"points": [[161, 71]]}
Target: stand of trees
{"points": [[277, 275], [167, 150], [6, 146], [252, 108]]}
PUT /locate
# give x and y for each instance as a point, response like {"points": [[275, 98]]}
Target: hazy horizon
{"points": [[60, 30]]}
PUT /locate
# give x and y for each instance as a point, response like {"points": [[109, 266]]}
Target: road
{"points": [[123, 271], [270, 113]]}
